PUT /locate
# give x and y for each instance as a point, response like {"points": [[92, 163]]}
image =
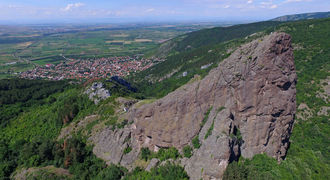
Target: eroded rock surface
{"points": [[109, 145], [252, 99], [97, 92]]}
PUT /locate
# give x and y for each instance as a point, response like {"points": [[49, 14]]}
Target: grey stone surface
{"points": [[109, 145], [153, 163], [255, 85], [97, 92]]}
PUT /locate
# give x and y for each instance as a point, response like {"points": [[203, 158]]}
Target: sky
{"points": [[17, 11]]}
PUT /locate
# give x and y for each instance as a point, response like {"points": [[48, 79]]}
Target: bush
{"points": [[187, 151], [162, 154], [127, 150], [170, 153], [145, 153], [209, 131], [169, 171], [195, 142], [206, 116], [112, 172]]}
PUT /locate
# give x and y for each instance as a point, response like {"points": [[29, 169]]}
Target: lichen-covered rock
{"points": [[109, 145], [41, 173], [252, 99], [97, 92]]}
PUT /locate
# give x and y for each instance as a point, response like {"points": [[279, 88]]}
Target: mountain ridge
{"points": [[304, 16]]}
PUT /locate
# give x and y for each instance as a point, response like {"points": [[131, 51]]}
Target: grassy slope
{"points": [[308, 156], [221, 34], [209, 37]]}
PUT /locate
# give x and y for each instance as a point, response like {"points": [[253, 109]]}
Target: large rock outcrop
{"points": [[251, 97], [110, 145]]}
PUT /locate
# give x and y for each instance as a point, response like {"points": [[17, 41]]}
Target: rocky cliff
{"points": [[250, 97]]}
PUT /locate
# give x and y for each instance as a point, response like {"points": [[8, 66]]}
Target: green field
{"points": [[40, 47]]}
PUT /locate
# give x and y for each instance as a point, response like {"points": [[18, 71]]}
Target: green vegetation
{"points": [[112, 172], [127, 150], [30, 46], [236, 136], [18, 95], [162, 154], [187, 151], [34, 112], [195, 142], [308, 156], [145, 153], [169, 171], [31, 108], [304, 16], [209, 131], [206, 117], [40, 151], [47, 119], [218, 35], [46, 174], [260, 167], [220, 109]]}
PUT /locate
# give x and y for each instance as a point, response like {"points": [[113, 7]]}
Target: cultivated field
{"points": [[22, 48]]}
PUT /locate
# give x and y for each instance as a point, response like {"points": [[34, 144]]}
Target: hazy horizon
{"points": [[129, 11]]}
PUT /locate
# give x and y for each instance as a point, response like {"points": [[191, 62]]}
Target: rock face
{"points": [[251, 98], [152, 164], [109, 145], [96, 92]]}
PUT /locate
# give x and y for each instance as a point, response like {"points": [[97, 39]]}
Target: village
{"points": [[91, 68]]}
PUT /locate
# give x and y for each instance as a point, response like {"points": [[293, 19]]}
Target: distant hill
{"points": [[296, 17], [209, 37]]}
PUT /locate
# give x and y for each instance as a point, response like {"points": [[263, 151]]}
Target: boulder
{"points": [[96, 92], [153, 163]]}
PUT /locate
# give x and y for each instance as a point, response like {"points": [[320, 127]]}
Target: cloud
{"points": [[273, 6], [269, 5], [69, 7], [13, 6], [150, 10], [226, 6], [249, 1], [288, 1]]}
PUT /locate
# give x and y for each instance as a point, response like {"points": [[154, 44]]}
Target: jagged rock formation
{"points": [[251, 97], [97, 92]]}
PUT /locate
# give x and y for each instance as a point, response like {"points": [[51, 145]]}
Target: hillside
{"points": [[209, 37], [81, 139], [214, 45], [305, 16]]}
